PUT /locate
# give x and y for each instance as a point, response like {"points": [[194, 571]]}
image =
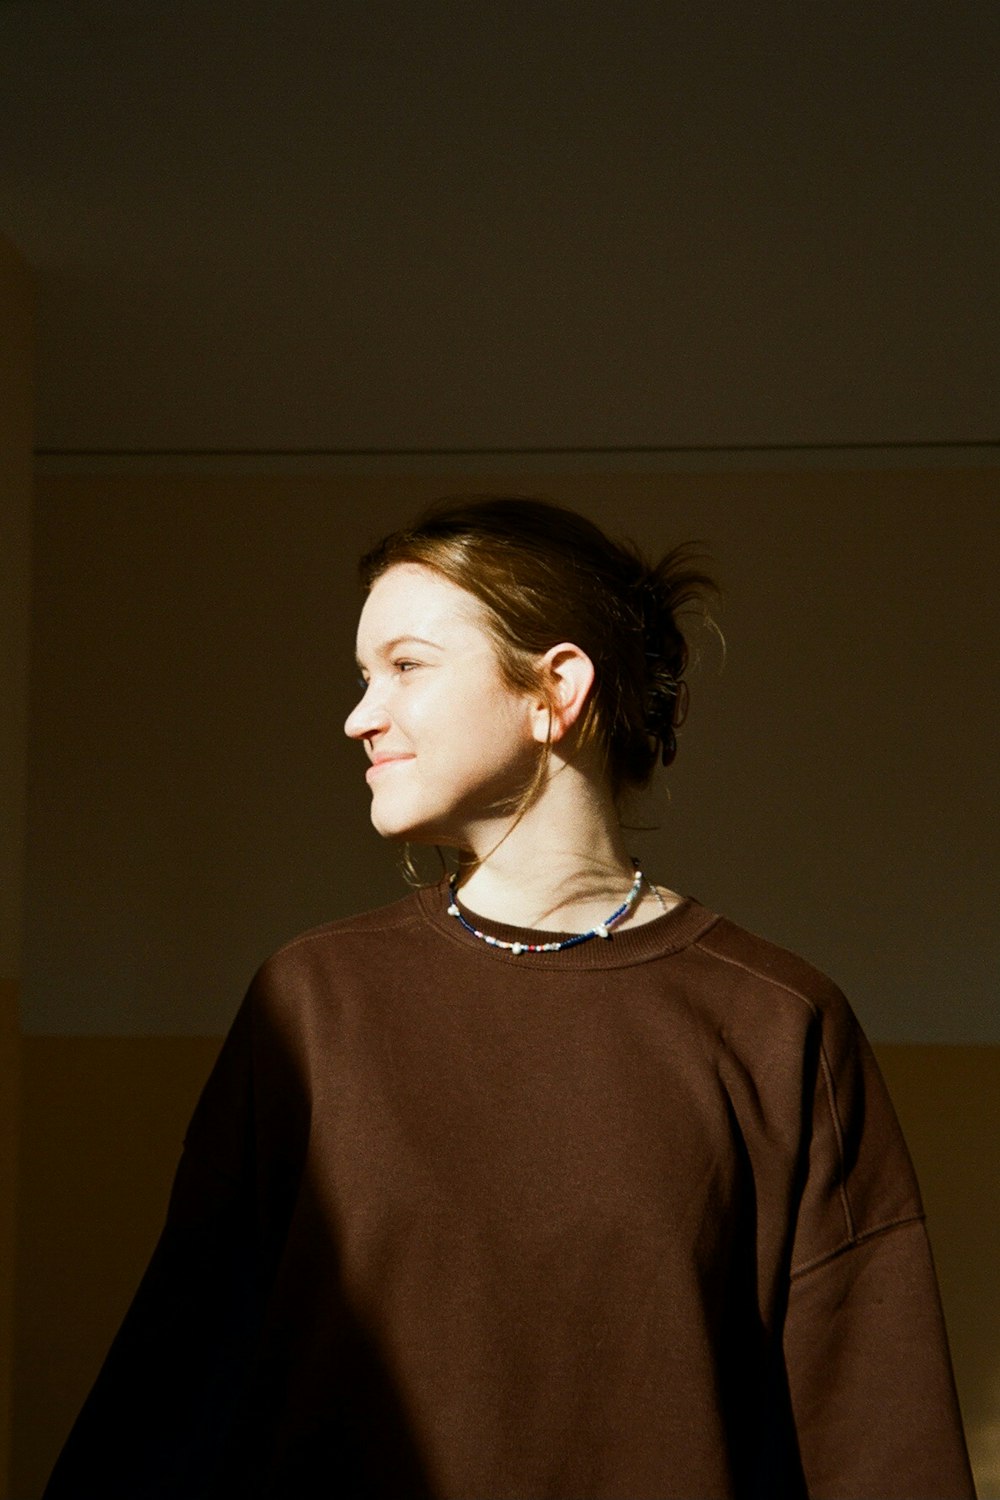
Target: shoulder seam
{"points": [[737, 963], [346, 925]]}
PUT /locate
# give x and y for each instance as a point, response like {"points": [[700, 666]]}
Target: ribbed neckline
{"points": [[666, 934]]}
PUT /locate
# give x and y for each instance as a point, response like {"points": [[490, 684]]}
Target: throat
{"points": [[587, 902]]}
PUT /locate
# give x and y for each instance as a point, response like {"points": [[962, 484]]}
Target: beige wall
{"points": [[15, 549], [103, 1119], [191, 804], [948, 1099]]}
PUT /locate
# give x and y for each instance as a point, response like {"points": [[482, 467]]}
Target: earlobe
{"points": [[568, 675]]}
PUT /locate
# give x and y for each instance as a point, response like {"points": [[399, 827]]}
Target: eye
{"points": [[405, 665]]}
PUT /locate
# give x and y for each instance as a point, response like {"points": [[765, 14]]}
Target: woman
{"points": [[543, 1181]]}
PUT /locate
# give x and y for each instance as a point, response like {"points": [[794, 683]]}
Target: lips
{"points": [[381, 761]]}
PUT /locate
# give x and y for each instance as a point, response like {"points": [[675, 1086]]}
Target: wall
{"points": [[193, 800], [191, 804], [335, 226], [15, 552]]}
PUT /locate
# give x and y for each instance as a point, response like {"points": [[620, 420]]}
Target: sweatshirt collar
{"points": [[666, 934]]}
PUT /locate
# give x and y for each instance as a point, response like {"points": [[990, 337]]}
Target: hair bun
{"points": [[661, 592]]}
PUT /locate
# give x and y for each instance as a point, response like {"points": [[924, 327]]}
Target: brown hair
{"points": [[544, 574]]}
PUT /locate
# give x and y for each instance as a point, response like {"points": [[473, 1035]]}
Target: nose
{"points": [[368, 718]]}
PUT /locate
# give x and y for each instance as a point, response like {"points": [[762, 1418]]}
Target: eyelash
{"points": [[401, 665]]}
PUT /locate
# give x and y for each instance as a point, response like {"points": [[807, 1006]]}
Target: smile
{"points": [[381, 762]]}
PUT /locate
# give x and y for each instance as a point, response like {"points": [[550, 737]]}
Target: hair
{"points": [[544, 574]]}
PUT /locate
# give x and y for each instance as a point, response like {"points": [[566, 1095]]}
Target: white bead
{"points": [[601, 930], [517, 947], [453, 910]]}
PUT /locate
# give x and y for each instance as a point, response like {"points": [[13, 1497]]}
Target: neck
{"points": [[561, 868]]}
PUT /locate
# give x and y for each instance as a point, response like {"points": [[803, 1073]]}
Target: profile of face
{"points": [[451, 746]]}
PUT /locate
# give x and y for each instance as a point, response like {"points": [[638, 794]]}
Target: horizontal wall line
{"points": [[583, 450], [490, 462]]}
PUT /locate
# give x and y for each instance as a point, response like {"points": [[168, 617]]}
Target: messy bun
{"points": [[545, 574], [661, 593]]}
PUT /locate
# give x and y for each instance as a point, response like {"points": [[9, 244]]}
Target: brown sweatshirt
{"points": [[632, 1220]]}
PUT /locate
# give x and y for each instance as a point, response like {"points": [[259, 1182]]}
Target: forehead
{"points": [[409, 599]]}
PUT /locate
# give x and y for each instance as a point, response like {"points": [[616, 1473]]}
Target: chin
{"points": [[388, 828], [427, 836], [402, 829]]}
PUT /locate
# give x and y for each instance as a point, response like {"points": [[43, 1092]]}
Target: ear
{"points": [[567, 676]]}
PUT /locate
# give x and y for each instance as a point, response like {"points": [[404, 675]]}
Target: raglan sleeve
{"points": [[866, 1352], [158, 1413]]}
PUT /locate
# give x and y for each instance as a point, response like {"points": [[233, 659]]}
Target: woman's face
{"points": [[451, 745]]}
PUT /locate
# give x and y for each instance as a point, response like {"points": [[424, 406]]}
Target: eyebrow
{"points": [[388, 647]]}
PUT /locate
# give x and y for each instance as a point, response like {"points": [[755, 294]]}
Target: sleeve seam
{"points": [[831, 1093], [838, 1131], [798, 1272]]}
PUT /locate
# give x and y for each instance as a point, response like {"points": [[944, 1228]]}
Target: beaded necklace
{"points": [[602, 929]]}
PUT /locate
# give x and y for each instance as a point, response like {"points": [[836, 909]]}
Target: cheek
{"points": [[503, 739], [512, 719]]}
